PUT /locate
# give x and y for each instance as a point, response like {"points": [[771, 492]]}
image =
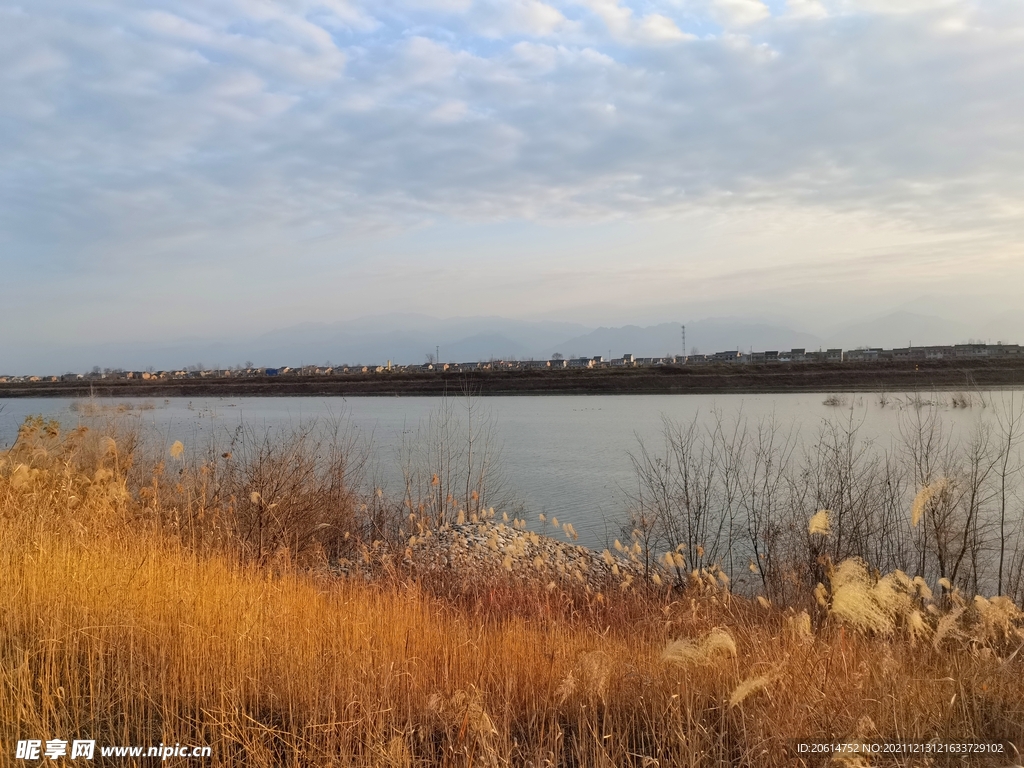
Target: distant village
{"points": [[731, 357]]}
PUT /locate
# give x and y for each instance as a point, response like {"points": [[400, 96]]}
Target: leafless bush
{"points": [[738, 494], [961, 400], [685, 494], [1010, 419], [261, 493], [451, 465], [766, 496], [316, 491]]}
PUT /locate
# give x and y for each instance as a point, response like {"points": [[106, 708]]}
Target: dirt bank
{"points": [[696, 379]]}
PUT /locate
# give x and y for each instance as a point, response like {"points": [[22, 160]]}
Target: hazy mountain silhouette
{"points": [[1005, 327], [711, 335], [405, 339], [900, 329]]}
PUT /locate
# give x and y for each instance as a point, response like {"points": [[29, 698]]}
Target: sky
{"points": [[210, 169]]}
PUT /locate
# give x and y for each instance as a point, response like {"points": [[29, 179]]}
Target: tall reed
{"points": [[120, 623]]}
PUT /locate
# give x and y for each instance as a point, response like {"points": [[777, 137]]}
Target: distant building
{"points": [[730, 356], [863, 355]]}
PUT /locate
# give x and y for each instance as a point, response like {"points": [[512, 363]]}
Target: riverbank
{"points": [[891, 376], [128, 617]]}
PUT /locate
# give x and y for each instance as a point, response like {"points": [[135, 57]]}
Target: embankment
{"points": [[703, 379]]}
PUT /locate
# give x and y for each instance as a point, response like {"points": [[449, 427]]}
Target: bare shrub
{"points": [[451, 465], [262, 493], [931, 502]]}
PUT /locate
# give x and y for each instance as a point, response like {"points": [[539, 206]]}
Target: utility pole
{"points": [[437, 355], [684, 343]]}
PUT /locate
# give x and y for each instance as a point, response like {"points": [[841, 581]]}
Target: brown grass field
{"points": [[129, 615]]}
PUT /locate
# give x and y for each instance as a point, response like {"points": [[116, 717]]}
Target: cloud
{"points": [[505, 18], [624, 25], [658, 28], [450, 112], [236, 137], [739, 12], [538, 56], [806, 9], [427, 60], [274, 41], [893, 7], [880, 114]]}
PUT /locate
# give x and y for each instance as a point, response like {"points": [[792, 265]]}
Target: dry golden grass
{"points": [[112, 628]]}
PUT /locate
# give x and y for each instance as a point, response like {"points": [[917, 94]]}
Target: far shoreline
{"points": [[773, 378]]}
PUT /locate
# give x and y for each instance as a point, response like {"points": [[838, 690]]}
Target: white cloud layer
{"points": [[148, 140], [806, 9], [739, 12], [624, 25]]}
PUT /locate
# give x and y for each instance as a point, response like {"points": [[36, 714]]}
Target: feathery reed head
{"points": [[748, 687], [819, 523], [924, 498], [716, 643], [867, 605]]}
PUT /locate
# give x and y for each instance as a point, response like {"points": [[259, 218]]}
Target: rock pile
{"points": [[492, 549], [495, 548]]}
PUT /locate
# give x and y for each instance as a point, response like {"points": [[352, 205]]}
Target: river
{"points": [[566, 456]]}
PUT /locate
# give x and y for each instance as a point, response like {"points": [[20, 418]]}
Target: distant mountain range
{"points": [[409, 338], [712, 335]]}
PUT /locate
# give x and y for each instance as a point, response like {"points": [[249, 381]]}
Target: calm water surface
{"points": [[563, 455]]}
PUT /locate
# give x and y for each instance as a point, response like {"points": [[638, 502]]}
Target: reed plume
{"points": [[716, 643]]}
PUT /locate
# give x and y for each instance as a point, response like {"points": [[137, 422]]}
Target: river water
{"points": [[566, 456]]}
